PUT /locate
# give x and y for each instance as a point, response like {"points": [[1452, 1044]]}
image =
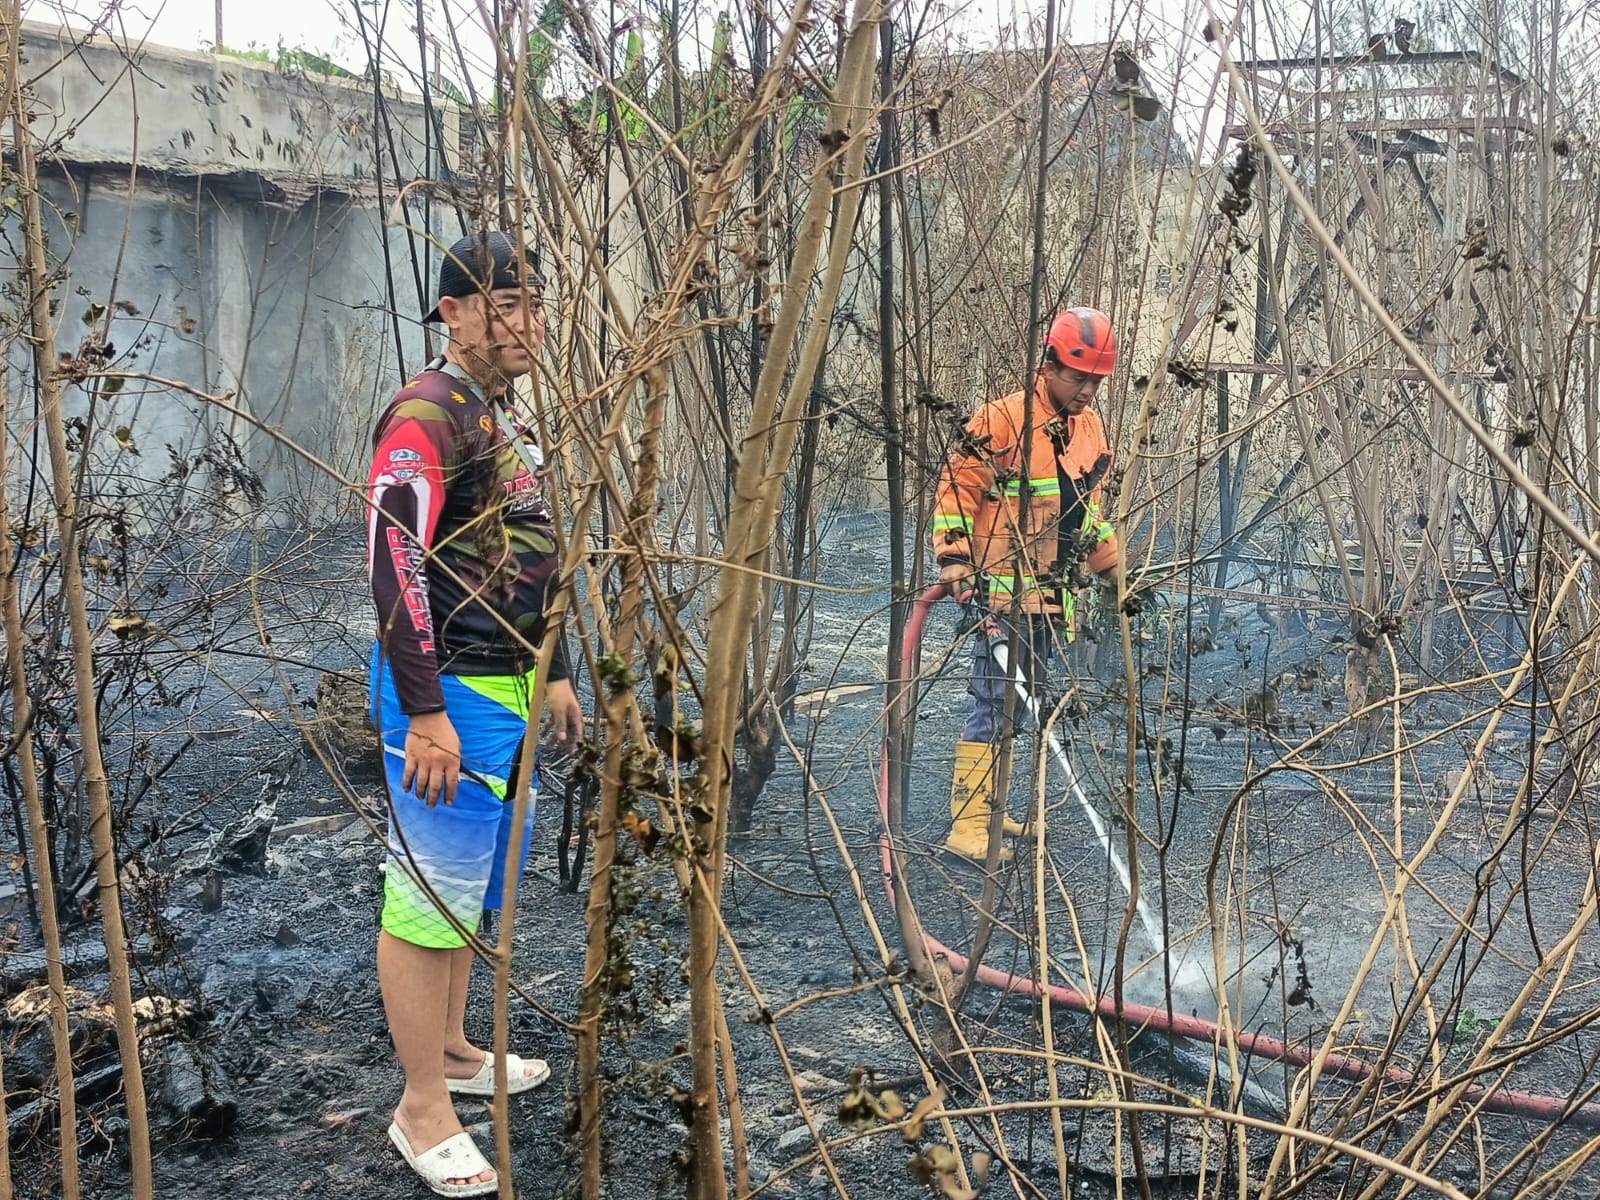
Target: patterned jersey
{"points": [[461, 542]]}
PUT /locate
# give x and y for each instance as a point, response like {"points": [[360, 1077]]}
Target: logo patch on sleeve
{"points": [[404, 463]]}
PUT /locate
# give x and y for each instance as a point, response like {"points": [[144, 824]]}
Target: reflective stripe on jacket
{"points": [[977, 513]]}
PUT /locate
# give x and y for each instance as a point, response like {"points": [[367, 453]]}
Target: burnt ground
{"points": [[280, 961]]}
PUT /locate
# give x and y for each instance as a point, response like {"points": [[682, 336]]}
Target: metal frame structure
{"points": [[1376, 112]]}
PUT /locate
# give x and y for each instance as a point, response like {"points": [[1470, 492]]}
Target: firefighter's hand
{"points": [[433, 759], [958, 578], [1079, 578], [1109, 591]]}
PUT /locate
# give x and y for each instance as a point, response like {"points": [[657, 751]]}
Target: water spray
{"points": [[1577, 1109], [1185, 974]]}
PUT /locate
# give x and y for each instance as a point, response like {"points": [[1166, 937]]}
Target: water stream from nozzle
{"points": [[1184, 974]]}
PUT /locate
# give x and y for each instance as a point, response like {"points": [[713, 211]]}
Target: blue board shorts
{"points": [[447, 863]]}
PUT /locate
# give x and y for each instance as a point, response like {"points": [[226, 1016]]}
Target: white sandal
{"points": [[456, 1157], [522, 1075]]}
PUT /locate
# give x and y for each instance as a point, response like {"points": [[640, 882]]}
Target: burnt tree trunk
{"points": [[758, 737]]}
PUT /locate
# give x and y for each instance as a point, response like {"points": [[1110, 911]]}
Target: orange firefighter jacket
{"points": [[977, 515]]}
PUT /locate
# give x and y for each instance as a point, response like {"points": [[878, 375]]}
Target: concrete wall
{"points": [[229, 215], [203, 114]]}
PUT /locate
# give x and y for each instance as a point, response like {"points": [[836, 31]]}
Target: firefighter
{"points": [[1024, 562]]}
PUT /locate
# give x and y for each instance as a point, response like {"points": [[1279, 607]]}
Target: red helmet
{"points": [[1082, 339]]}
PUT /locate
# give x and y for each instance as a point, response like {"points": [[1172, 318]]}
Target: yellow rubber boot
{"points": [[971, 802], [976, 761]]}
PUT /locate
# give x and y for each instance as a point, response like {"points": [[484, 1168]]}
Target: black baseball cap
{"points": [[482, 262]]}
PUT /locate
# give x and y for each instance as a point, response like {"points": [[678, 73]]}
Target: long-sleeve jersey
{"points": [[461, 543], [978, 515]]}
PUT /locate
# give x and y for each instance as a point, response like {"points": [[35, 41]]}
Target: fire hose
{"points": [[1166, 1021]]}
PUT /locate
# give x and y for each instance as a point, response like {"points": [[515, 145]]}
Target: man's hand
{"points": [[566, 714], [433, 758], [958, 578]]}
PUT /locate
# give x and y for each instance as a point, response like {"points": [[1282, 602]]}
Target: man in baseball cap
{"points": [[491, 296], [484, 262], [464, 574]]}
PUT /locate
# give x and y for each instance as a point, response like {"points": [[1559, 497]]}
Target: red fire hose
{"points": [[1544, 1108]]}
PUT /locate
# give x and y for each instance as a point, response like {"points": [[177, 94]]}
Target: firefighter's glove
{"points": [[972, 613], [1097, 601], [959, 578]]}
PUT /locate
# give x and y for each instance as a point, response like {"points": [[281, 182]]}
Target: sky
{"points": [[1179, 65], [191, 24], [328, 26]]}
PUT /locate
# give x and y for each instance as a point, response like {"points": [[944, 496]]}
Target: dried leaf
{"points": [[932, 1163], [863, 1110], [920, 1114], [130, 626], [1146, 108], [155, 1014], [940, 1166], [642, 831], [944, 1159], [858, 1110], [951, 1189], [981, 1161], [682, 744]]}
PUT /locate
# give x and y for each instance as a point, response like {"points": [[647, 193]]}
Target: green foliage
{"points": [[450, 91], [541, 45], [289, 58], [632, 85], [255, 52], [802, 116], [1470, 1024]]}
